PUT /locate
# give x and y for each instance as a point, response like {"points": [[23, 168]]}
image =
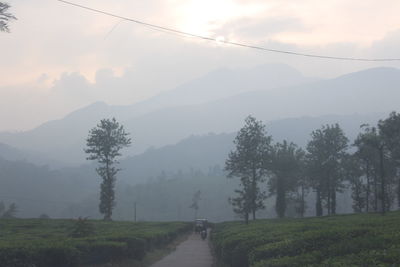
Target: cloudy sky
{"points": [[58, 58]]}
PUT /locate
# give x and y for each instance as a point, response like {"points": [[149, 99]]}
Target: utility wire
{"points": [[187, 34]]}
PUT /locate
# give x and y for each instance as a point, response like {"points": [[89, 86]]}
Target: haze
{"points": [[59, 58], [181, 99]]}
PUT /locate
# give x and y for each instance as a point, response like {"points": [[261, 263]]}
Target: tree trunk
{"points": [[329, 196], [254, 195], [376, 192], [280, 205], [382, 173], [318, 206], [368, 188], [398, 193], [333, 202], [303, 205]]}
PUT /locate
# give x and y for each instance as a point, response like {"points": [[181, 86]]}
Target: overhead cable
{"points": [[188, 34]]}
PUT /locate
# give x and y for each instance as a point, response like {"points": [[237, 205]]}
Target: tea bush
{"points": [[49, 243], [344, 240]]}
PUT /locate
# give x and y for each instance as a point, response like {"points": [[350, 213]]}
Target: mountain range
{"points": [[218, 103]]}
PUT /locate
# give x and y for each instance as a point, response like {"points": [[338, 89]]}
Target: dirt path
{"points": [[193, 252]]}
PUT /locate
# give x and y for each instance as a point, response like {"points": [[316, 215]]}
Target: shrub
{"points": [[82, 228], [350, 240]]}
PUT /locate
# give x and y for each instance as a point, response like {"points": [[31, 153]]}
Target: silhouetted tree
{"points": [[389, 129], [354, 173], [326, 152], [249, 162], [5, 17], [286, 168], [103, 144], [367, 144]]}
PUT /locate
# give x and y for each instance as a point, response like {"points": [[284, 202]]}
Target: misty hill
{"points": [[10, 153], [37, 189], [63, 139], [369, 91], [202, 152], [13, 154], [70, 192]]}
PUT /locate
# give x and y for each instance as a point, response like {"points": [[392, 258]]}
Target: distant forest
{"points": [[355, 185]]}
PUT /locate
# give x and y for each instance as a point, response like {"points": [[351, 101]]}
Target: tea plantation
{"points": [[44, 242], [345, 240]]}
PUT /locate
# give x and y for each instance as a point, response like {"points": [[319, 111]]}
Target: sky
{"points": [[59, 58]]}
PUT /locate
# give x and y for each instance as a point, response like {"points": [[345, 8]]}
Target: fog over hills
{"points": [[218, 102], [192, 163]]}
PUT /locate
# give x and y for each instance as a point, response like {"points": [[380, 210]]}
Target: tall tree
{"points": [[367, 144], [326, 152], [249, 162], [104, 144], [354, 173], [384, 167], [286, 168], [5, 17], [389, 130]]}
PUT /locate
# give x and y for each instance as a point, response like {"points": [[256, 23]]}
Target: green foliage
{"points": [[104, 144], [47, 243], [82, 228], [347, 240], [5, 17], [326, 154], [249, 162], [286, 166]]}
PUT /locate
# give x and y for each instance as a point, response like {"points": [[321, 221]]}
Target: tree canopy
{"points": [[5, 17], [104, 144]]}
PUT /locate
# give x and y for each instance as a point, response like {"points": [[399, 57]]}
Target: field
{"points": [[44, 242], [345, 240]]}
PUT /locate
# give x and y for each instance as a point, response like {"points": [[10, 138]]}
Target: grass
{"points": [[344, 240], [38, 242]]}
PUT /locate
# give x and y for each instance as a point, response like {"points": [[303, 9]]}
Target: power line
{"points": [[187, 34]]}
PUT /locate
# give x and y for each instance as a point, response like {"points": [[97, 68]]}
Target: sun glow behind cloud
{"points": [[203, 16], [322, 22]]}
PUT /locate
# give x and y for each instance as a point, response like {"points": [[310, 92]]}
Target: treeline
{"points": [[327, 166]]}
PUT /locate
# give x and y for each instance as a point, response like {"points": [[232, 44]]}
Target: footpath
{"points": [[193, 252]]}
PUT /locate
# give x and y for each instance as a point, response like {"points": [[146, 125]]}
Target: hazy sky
{"points": [[58, 58]]}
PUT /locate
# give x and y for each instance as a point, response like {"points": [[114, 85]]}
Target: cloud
{"points": [[135, 62], [261, 28], [388, 46]]}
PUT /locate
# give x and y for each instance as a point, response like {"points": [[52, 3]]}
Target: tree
{"points": [[354, 173], [389, 129], [326, 152], [378, 146], [286, 168], [367, 145], [104, 144], [249, 162], [5, 17], [195, 202]]}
